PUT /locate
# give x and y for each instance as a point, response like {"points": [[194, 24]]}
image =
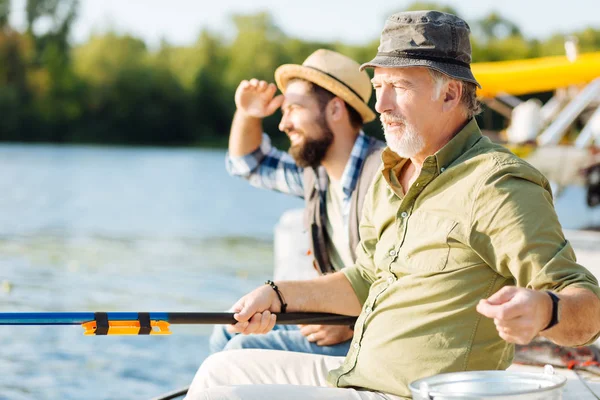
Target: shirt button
{"points": [[404, 214], [442, 169], [368, 310], [390, 280], [392, 253], [356, 346]]}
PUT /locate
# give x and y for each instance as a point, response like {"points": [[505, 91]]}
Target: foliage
{"points": [[113, 89]]}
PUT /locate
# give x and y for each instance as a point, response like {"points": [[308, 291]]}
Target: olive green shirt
{"points": [[476, 219]]}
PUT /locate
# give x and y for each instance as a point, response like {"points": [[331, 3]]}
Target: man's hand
{"points": [[519, 314], [327, 335], [254, 311], [255, 99]]}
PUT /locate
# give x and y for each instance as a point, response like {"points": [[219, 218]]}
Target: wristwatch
{"points": [[554, 319]]}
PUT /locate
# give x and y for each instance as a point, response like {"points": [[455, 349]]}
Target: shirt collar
{"points": [[458, 145]]}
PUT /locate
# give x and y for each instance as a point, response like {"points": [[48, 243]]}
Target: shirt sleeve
{"points": [[363, 273], [515, 229], [268, 168]]}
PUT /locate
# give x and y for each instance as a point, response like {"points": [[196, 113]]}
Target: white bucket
{"points": [[490, 385]]}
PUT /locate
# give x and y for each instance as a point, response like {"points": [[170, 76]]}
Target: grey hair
{"points": [[468, 98]]}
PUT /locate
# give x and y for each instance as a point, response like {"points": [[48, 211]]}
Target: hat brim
{"points": [[452, 70], [289, 71]]}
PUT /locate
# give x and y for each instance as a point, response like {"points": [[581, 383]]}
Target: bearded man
{"points": [[330, 164]]}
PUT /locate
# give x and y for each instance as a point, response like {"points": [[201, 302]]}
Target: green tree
{"points": [[142, 105], [16, 53], [494, 26], [588, 39], [100, 60], [58, 16], [55, 90], [257, 50], [113, 89], [4, 14], [187, 62], [212, 98]]}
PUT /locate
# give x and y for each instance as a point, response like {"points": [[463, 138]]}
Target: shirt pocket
{"points": [[426, 246]]}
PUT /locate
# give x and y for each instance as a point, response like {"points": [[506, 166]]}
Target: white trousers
{"points": [[253, 374]]}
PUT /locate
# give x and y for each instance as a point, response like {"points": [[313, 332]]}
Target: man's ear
{"points": [[336, 109], [452, 95]]}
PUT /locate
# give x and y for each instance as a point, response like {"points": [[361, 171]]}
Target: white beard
{"points": [[406, 144]]}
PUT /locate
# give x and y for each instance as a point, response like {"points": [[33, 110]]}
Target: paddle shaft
{"points": [[181, 318]]}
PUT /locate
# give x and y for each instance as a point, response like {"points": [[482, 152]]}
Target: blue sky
{"points": [[352, 21]]}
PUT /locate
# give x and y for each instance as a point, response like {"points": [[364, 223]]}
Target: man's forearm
{"points": [[245, 135], [330, 293], [579, 318]]}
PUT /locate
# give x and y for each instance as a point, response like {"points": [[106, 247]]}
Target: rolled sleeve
{"points": [[358, 281], [244, 165], [268, 168], [563, 271], [517, 232]]}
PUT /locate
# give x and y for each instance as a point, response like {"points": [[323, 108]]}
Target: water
{"points": [[111, 229]]}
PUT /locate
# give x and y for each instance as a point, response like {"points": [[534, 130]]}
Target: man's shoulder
{"points": [[495, 159]]}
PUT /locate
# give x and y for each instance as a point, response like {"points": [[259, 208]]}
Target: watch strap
{"points": [[554, 319]]}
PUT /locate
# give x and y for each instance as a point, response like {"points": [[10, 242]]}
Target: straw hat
{"points": [[335, 72]]}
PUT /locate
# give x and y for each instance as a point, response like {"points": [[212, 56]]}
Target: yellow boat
{"points": [[535, 75]]}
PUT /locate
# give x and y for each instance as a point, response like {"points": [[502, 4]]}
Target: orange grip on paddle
{"points": [[127, 328]]}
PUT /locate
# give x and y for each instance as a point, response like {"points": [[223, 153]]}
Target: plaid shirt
{"points": [[270, 168]]}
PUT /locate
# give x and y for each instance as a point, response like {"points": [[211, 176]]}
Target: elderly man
{"points": [[461, 252], [331, 164]]}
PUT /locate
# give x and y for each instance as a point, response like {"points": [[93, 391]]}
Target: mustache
{"points": [[291, 131], [389, 118]]}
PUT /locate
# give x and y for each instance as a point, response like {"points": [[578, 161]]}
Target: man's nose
{"points": [[285, 124], [385, 100]]}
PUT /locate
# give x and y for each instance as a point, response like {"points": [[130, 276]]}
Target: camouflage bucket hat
{"points": [[429, 39]]}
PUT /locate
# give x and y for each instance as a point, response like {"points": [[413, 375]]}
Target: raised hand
{"points": [[254, 98]]}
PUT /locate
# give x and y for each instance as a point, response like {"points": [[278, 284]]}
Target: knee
{"points": [[211, 372], [219, 339], [239, 342]]}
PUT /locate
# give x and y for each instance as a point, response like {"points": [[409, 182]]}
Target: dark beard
{"points": [[312, 151]]}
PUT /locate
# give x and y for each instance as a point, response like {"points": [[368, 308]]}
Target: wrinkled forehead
{"points": [[412, 75]]}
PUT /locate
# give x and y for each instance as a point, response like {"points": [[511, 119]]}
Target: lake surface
{"points": [[112, 229]]}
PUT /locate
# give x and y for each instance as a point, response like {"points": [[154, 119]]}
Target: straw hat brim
{"points": [[289, 71]]}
